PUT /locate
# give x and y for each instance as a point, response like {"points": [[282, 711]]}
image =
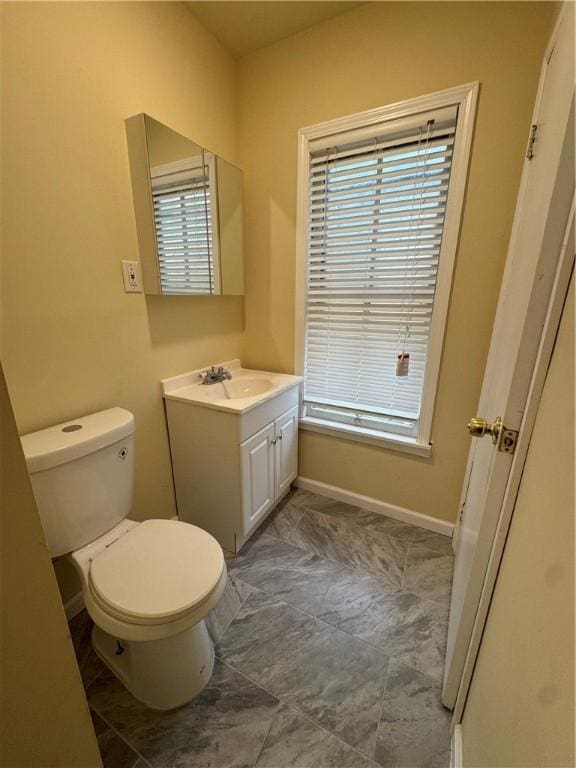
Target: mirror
{"points": [[188, 204]]}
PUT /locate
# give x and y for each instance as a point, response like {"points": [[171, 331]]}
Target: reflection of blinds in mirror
{"points": [[184, 233]]}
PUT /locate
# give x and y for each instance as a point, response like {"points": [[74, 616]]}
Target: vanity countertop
{"points": [[246, 389]]}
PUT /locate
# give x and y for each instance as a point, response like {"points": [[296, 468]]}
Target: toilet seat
{"points": [[159, 572]]}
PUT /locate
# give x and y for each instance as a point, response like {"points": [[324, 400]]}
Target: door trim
{"points": [[546, 348], [456, 748]]}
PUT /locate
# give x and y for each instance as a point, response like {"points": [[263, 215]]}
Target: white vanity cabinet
{"points": [[232, 460], [269, 464]]}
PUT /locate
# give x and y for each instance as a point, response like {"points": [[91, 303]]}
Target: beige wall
{"points": [[44, 717], [73, 341], [520, 709], [378, 54]]}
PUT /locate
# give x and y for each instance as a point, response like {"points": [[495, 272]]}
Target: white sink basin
{"points": [[245, 386], [244, 391]]}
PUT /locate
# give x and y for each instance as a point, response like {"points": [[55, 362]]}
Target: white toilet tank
{"points": [[82, 474]]}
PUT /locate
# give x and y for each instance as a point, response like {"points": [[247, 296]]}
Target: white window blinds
{"points": [[376, 215], [183, 220]]}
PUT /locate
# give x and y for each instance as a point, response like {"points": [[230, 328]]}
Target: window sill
{"points": [[369, 436]]}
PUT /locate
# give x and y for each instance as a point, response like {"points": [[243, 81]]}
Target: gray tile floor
{"points": [[330, 641]]}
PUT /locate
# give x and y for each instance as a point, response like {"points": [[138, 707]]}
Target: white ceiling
{"points": [[243, 26]]}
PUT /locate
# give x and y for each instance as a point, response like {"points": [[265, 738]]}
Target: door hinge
{"points": [[508, 440], [531, 140]]}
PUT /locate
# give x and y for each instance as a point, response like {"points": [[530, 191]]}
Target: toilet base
{"points": [[162, 674]]}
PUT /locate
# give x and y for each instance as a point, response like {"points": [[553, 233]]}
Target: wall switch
{"points": [[132, 276]]}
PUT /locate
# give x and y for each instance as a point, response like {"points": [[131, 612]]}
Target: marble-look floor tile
{"points": [[115, 753], [224, 727], [283, 523], [333, 507], [294, 741], [287, 517], [338, 683], [414, 729], [342, 540], [400, 623], [298, 497], [89, 664], [287, 522], [412, 534], [233, 597], [334, 613], [296, 576], [429, 573], [326, 674], [265, 633]]}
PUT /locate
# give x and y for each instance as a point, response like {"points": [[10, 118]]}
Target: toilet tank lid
{"points": [[75, 438]]}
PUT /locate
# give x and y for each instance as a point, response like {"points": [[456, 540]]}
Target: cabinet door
{"points": [[257, 456], [286, 453]]}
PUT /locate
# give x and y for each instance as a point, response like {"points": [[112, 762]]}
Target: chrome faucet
{"points": [[214, 375]]}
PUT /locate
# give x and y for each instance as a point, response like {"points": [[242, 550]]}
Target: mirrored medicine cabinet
{"points": [[188, 204]]}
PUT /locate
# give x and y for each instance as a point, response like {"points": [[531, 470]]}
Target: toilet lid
{"points": [[156, 571]]}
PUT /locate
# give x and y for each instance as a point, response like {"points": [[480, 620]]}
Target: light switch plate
{"points": [[132, 276]]}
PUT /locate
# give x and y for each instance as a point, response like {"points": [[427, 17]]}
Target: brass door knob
{"points": [[479, 427]]}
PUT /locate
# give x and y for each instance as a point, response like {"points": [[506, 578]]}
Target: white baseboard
{"points": [[456, 748], [374, 505], [74, 606]]}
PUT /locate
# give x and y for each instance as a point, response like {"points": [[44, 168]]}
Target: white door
{"points": [[544, 201], [286, 450], [257, 459]]}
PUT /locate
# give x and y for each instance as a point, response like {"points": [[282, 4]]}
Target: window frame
{"points": [[465, 98]]}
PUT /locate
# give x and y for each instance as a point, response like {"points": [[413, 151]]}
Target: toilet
{"points": [[147, 586]]}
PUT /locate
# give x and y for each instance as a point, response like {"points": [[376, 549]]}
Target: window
{"points": [[380, 208], [183, 219]]}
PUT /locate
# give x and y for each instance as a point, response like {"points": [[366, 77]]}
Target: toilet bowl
{"points": [[147, 586]]}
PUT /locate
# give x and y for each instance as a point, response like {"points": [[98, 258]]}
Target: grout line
{"points": [[231, 577], [120, 736], [142, 759], [360, 640], [304, 506], [403, 581], [316, 618], [356, 568], [257, 589], [293, 707], [382, 704], [269, 727], [428, 598], [98, 675]]}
